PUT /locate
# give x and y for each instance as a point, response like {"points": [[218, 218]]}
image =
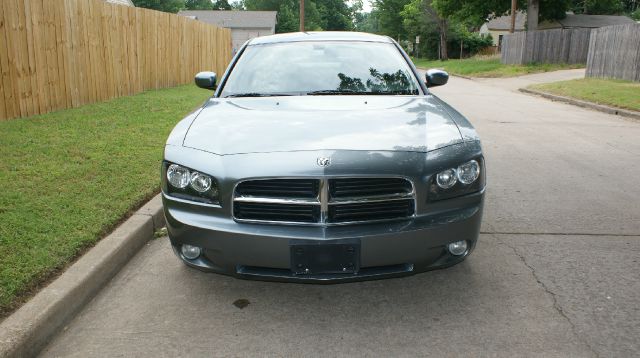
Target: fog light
{"points": [[457, 248], [190, 252]]}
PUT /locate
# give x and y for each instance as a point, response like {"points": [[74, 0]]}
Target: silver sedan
{"points": [[322, 157]]}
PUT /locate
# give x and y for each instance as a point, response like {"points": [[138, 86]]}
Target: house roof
{"points": [[503, 23], [234, 19], [320, 36], [121, 2], [593, 21]]}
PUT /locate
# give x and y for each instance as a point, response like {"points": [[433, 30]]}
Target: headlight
{"points": [[468, 172], [178, 176], [200, 182], [452, 182], [184, 183], [446, 179]]}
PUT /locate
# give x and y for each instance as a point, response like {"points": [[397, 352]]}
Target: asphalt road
{"points": [[556, 271]]}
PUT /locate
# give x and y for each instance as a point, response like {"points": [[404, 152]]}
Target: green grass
{"points": [[70, 176], [616, 93], [489, 67]]}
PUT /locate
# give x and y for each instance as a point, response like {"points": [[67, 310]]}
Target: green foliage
{"points": [[68, 177], [617, 93], [367, 21], [636, 15], [552, 9], [288, 11], [221, 5], [474, 13], [390, 19], [417, 22], [491, 67], [172, 6], [198, 5], [336, 15], [472, 42]]}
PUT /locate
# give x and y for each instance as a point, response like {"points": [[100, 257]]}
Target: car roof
{"points": [[320, 36]]}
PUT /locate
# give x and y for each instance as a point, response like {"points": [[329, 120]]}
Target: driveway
{"points": [[555, 273]]}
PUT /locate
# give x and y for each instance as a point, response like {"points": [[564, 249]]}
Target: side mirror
{"points": [[436, 78], [206, 80]]}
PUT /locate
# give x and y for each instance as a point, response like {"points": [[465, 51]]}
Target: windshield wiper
{"points": [[329, 92], [255, 94], [352, 92]]}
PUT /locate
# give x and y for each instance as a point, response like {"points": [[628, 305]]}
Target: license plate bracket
{"points": [[325, 257]]}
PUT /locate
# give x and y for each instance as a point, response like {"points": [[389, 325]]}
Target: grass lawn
{"points": [[70, 176], [489, 67], [616, 93]]}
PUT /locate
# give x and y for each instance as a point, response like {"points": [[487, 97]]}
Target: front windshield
{"points": [[316, 68]]}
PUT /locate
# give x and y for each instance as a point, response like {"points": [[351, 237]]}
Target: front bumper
{"points": [[262, 251]]}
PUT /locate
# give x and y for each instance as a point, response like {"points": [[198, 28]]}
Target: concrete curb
{"points": [[465, 77], [584, 104], [27, 331]]}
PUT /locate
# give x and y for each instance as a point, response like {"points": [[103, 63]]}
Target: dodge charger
{"points": [[322, 157]]}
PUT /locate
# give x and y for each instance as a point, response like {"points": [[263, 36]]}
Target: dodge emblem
{"points": [[323, 161]]}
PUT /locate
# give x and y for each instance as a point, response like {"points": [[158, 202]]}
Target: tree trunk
{"points": [[533, 8], [443, 40]]}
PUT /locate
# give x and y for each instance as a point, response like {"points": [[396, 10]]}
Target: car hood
{"points": [[297, 123]]}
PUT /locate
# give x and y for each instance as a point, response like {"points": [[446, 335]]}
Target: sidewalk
{"points": [[515, 83]]}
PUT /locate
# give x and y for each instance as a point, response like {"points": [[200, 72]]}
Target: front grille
{"points": [[381, 210], [277, 212], [323, 201], [279, 188], [363, 187]]}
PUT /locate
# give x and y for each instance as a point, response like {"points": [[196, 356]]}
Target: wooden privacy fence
{"points": [[546, 46], [614, 52], [57, 54]]}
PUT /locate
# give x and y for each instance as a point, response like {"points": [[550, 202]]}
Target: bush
{"points": [[472, 43]]}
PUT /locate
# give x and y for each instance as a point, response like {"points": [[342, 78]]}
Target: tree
{"points": [[389, 18], [476, 12], [367, 21], [288, 10], [533, 11], [198, 5], [221, 5], [336, 15], [172, 6], [418, 22]]}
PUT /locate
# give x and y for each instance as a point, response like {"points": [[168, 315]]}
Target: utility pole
{"points": [[514, 5], [302, 15]]}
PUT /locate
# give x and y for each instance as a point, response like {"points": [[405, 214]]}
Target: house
{"points": [[121, 2], [573, 21], [500, 26], [244, 25]]}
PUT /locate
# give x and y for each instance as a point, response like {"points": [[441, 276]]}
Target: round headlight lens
{"points": [[191, 252], [446, 179], [457, 248], [468, 172], [178, 176], [200, 182]]}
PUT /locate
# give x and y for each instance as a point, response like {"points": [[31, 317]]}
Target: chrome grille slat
{"points": [[323, 201]]}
